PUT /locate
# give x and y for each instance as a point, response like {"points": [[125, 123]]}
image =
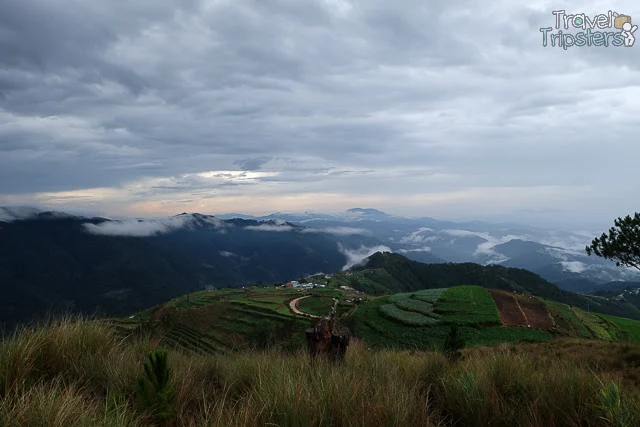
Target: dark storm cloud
{"points": [[140, 99]]}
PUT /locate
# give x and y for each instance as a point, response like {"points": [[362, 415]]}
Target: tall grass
{"points": [[79, 373]]}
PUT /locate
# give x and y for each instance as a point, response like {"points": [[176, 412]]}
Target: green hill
{"points": [[223, 321], [234, 319], [422, 319], [386, 273], [491, 305]]}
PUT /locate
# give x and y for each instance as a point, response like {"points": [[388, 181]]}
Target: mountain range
{"points": [[52, 261], [557, 256]]}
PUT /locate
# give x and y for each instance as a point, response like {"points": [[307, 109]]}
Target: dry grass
{"points": [[77, 373]]}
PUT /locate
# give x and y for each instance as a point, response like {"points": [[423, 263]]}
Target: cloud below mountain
{"points": [[136, 228], [269, 227], [339, 231], [573, 266], [423, 249], [357, 256]]}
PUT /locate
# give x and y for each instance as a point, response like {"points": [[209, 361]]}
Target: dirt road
{"points": [[294, 307]]}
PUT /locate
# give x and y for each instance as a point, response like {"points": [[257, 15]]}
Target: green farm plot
{"points": [[599, 327], [406, 317], [566, 319], [408, 303], [626, 329], [379, 329], [273, 303], [315, 305], [268, 299], [429, 295], [194, 300], [577, 322], [460, 305], [467, 305], [258, 303], [284, 310], [250, 310]]}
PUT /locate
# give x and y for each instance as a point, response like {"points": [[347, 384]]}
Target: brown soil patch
{"points": [[509, 309], [536, 312]]}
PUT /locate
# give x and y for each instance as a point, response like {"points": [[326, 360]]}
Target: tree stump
{"points": [[325, 341]]}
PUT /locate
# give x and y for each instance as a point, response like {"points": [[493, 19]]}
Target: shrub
{"points": [[154, 389]]}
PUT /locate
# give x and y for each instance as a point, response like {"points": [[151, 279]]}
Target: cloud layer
{"points": [[357, 256], [136, 228], [446, 109], [269, 227], [339, 231]]}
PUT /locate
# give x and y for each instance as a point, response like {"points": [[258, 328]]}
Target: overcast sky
{"points": [[449, 109]]}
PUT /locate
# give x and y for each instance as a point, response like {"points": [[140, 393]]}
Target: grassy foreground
{"points": [[79, 373]]}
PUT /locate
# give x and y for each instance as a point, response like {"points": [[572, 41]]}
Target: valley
{"points": [[228, 320]]}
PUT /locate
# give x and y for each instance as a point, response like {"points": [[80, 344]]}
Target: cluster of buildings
{"points": [[295, 284]]}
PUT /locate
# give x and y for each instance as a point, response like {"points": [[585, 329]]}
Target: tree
{"points": [[622, 244], [154, 389]]}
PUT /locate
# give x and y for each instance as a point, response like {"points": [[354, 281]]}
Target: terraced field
{"points": [[228, 319], [233, 319]]}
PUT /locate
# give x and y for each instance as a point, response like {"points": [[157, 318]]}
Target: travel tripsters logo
{"points": [[591, 34]]}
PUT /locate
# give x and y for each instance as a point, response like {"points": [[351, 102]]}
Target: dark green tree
{"points": [[453, 343], [622, 244], [154, 389]]}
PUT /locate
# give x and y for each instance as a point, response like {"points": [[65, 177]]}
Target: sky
{"points": [[449, 109]]}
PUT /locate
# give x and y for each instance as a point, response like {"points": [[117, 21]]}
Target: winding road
{"points": [[294, 307]]}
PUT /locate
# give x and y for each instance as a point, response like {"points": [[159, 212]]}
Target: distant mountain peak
{"points": [[368, 211]]}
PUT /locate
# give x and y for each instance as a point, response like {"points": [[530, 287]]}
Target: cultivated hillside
{"points": [[391, 273], [422, 319], [227, 320]]}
